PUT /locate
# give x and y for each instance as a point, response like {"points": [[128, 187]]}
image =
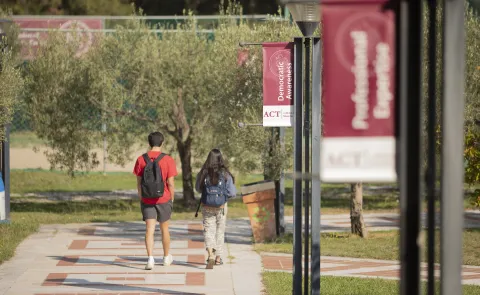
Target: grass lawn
{"points": [[41, 181], [38, 181], [25, 139], [277, 283], [379, 245], [335, 198]]}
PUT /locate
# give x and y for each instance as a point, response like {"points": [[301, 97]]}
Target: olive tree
{"points": [[254, 148], [11, 85], [56, 92], [190, 87], [11, 81], [138, 80], [169, 84]]}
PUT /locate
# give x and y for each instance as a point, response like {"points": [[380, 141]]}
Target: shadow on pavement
{"points": [[122, 288]]}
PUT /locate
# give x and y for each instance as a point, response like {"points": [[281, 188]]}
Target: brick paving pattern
{"points": [[377, 221], [362, 268], [109, 258]]}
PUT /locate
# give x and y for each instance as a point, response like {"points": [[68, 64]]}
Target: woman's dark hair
{"points": [[213, 167]]}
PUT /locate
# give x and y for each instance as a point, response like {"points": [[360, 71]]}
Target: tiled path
{"points": [[110, 259], [361, 268], [377, 221]]}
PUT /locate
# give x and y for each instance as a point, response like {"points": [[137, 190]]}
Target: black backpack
{"points": [[152, 179]]}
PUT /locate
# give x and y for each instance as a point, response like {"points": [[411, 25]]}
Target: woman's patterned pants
{"points": [[214, 228]]}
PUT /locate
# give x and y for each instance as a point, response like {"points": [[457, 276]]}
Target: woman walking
{"points": [[217, 186]]}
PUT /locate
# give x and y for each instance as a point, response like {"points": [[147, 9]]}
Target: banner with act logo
{"points": [[359, 142], [278, 84]]}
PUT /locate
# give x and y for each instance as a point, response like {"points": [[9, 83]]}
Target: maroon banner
{"points": [[278, 84], [359, 71], [35, 30]]}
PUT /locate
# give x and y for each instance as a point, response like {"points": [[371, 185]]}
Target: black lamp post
{"points": [[306, 13]]}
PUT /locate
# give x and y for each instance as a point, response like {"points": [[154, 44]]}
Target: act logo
{"points": [[272, 114]]}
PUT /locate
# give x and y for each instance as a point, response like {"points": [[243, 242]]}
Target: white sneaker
{"points": [[150, 264], [167, 260]]}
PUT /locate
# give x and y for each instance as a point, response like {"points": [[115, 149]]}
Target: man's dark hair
{"points": [[155, 139]]}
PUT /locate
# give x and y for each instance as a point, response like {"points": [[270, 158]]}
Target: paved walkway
{"points": [[109, 258], [377, 221], [361, 268]]}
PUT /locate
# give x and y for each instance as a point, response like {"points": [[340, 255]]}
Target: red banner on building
{"points": [[35, 30], [359, 70], [278, 84]]}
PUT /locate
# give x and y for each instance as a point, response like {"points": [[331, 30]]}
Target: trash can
{"points": [[260, 200]]}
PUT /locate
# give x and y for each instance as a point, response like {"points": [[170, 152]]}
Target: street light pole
{"points": [[453, 107], [306, 14], [316, 187], [306, 129], [431, 134], [297, 166], [410, 92]]}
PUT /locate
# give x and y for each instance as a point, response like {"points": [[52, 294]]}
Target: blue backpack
{"points": [[215, 195]]}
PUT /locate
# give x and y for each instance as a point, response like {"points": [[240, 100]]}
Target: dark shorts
{"points": [[160, 212]]}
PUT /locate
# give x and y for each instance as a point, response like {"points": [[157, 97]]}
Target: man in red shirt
{"points": [[157, 209]]}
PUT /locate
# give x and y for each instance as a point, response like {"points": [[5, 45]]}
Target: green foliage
{"points": [[11, 31], [472, 98], [476, 201], [472, 156], [57, 88], [242, 98], [11, 81], [472, 73], [472, 89], [134, 82], [68, 7], [10, 85]]}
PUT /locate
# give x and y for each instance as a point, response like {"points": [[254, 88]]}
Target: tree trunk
{"points": [[356, 211], [183, 136], [185, 151], [269, 169]]}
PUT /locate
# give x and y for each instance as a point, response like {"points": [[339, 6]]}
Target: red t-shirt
{"points": [[169, 169]]}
